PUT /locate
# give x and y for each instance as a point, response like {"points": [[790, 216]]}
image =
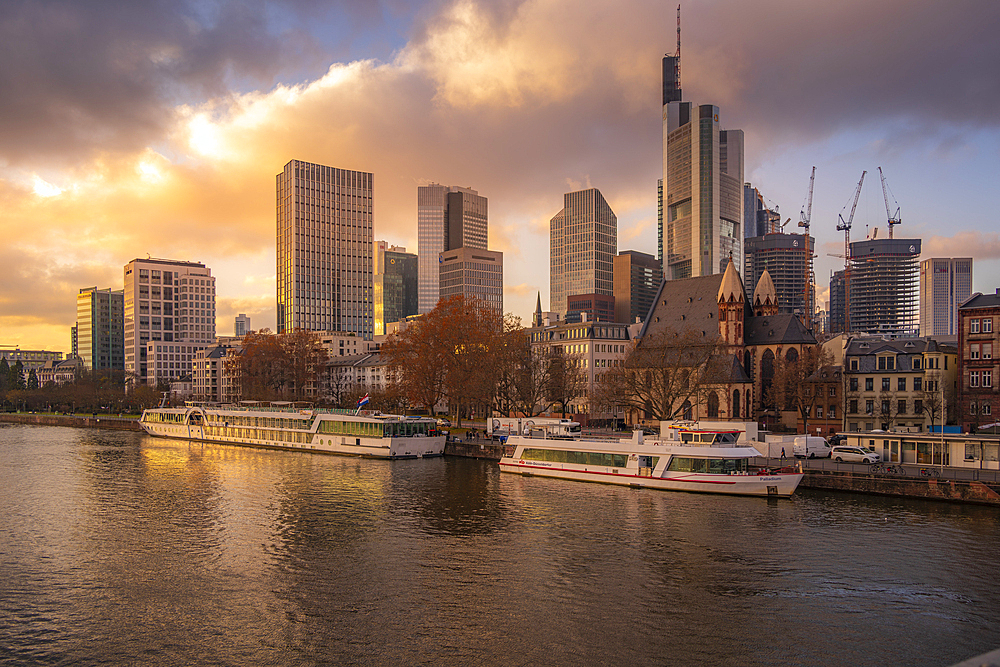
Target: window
{"points": [[901, 407], [987, 350], [854, 384], [854, 406], [918, 384], [916, 363], [987, 378], [886, 363], [901, 384], [869, 406], [918, 406], [986, 408], [819, 412], [885, 384], [854, 364], [885, 407], [974, 351], [869, 384], [973, 378], [973, 408], [832, 412], [833, 391], [973, 326], [987, 327]]}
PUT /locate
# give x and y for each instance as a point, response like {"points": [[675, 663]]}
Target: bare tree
{"points": [[524, 376], [794, 386], [567, 381]]}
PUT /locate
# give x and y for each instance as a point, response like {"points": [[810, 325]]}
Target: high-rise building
{"points": [[169, 315], [583, 240], [473, 273], [758, 218], [883, 287], [945, 283], [448, 217], [100, 329], [637, 277], [325, 242], [702, 198], [590, 308], [395, 285], [786, 257], [241, 325], [838, 302]]}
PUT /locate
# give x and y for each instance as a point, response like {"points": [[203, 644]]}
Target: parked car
{"points": [[853, 455], [444, 423]]}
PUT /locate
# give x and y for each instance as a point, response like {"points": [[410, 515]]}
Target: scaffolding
{"points": [[885, 282]]}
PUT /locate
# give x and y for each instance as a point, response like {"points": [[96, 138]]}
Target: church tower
{"points": [[732, 307], [765, 297]]}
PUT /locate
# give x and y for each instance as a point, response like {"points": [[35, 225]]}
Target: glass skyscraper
{"points": [[100, 326], [945, 283], [324, 249], [583, 240]]}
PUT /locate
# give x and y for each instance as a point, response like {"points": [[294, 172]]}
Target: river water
{"points": [[116, 548]]}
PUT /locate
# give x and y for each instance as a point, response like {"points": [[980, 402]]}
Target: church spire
{"points": [[537, 319]]}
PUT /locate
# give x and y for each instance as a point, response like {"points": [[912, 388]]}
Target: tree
{"points": [[793, 386], [305, 359], [932, 404], [32, 383], [524, 376], [663, 374], [566, 380], [261, 366]]}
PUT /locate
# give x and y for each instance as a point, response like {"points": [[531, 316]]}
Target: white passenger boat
{"points": [[685, 458], [302, 429]]}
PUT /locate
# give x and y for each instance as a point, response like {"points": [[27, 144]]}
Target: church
{"points": [[749, 336]]}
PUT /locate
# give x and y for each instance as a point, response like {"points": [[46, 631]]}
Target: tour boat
{"points": [[277, 426], [685, 458]]}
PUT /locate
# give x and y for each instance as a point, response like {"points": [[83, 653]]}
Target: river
{"points": [[116, 548]]}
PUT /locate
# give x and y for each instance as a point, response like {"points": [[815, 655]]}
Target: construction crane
{"points": [[893, 219], [845, 226], [805, 216]]}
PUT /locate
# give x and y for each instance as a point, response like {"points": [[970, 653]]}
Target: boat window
{"points": [[580, 458], [728, 438], [713, 466], [687, 437]]}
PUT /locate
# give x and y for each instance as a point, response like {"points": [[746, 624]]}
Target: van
{"points": [[810, 447]]}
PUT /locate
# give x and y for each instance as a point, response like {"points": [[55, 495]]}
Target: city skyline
{"points": [[170, 150]]}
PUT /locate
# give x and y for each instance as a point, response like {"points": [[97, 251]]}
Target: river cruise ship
{"points": [[278, 426], [684, 458]]}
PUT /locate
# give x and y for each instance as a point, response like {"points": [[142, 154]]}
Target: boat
{"points": [[684, 458], [282, 426]]}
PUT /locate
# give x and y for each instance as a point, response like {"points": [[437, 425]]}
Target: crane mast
{"points": [[893, 219], [845, 226], [805, 216]]}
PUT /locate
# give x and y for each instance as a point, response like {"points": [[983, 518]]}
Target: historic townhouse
{"points": [[978, 342]]}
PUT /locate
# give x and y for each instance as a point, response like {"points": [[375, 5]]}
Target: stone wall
{"points": [[929, 488]]}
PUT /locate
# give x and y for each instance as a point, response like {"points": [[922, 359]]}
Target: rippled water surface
{"points": [[118, 548]]}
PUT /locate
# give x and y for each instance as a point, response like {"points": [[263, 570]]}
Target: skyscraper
{"points": [[395, 285], [325, 240], [883, 286], [838, 302], [786, 258], [473, 273], [945, 283], [637, 277], [100, 328], [166, 302], [241, 325], [583, 240], [702, 200], [758, 219], [448, 218]]}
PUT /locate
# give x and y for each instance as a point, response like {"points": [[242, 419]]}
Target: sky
{"points": [[156, 128]]}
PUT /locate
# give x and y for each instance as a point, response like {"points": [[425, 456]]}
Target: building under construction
{"points": [[788, 260], [883, 286]]}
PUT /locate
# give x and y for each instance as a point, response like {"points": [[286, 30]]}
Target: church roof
{"points": [[783, 328], [726, 368], [688, 303], [765, 288], [731, 288]]}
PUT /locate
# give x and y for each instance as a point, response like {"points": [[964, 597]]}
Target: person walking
{"points": [[782, 453]]}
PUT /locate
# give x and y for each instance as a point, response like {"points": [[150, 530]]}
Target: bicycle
{"points": [[929, 472], [895, 470], [876, 468]]}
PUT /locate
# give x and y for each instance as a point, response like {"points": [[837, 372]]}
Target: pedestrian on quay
{"points": [[782, 453]]}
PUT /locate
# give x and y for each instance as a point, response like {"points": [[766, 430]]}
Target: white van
{"points": [[811, 447]]}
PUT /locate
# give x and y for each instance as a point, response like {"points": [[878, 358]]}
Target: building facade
{"points": [[30, 359], [838, 302], [978, 340], [100, 328], [241, 325], [395, 285], [945, 284], [758, 218], [324, 249], [583, 240], [590, 308], [472, 273], [448, 218], [788, 259], [637, 276], [883, 287], [166, 302]]}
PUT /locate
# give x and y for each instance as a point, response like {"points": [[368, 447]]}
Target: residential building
{"points": [[472, 273], [349, 377], [838, 302], [583, 240], [788, 260], [58, 372], [902, 383], [883, 287], [395, 295], [590, 308], [100, 329], [637, 276], [324, 249], [758, 218], [339, 344], [448, 218], [241, 326], [213, 378], [827, 392], [167, 302], [979, 347], [945, 284]]}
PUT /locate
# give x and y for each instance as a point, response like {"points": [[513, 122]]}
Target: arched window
{"points": [[792, 355], [686, 410], [766, 373], [713, 405], [736, 404]]}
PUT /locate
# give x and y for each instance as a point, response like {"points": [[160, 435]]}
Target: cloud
{"points": [[975, 244]]}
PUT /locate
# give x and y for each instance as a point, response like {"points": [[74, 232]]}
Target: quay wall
{"points": [[959, 491], [74, 421]]}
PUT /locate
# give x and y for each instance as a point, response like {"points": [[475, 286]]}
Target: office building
{"points": [[100, 329], [883, 287], [637, 277], [241, 326], [169, 315], [945, 283], [786, 257], [448, 217], [583, 240], [758, 218], [325, 246], [30, 359], [395, 295], [590, 308], [473, 273], [838, 302]]}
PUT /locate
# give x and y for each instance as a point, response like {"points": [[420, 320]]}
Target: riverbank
{"points": [[927, 488], [72, 421]]}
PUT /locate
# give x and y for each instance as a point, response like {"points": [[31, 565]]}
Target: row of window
{"points": [[980, 378], [918, 384], [885, 407], [981, 325]]}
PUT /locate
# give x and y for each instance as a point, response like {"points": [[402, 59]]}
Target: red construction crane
{"points": [[893, 219]]}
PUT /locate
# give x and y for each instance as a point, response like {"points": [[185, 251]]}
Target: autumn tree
{"points": [[524, 376], [663, 374], [792, 388], [305, 360], [566, 380]]}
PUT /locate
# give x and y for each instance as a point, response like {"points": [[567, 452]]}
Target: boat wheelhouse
{"points": [[686, 459], [283, 426]]}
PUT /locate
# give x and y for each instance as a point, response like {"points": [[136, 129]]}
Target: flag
{"points": [[363, 401]]}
